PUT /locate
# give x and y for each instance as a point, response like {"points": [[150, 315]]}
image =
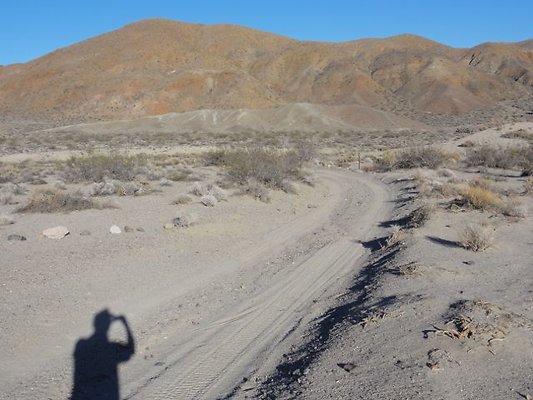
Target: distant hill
{"points": [[159, 66]]}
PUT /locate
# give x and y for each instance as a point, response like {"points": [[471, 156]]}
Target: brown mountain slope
{"points": [[159, 66]]}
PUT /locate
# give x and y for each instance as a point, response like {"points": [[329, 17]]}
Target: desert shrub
{"points": [[501, 157], [421, 215], [305, 150], [218, 193], [268, 167], [257, 191], [481, 199], [198, 189], [518, 134], [477, 237], [96, 167], [215, 157], [482, 183], [209, 200], [416, 157], [53, 200], [513, 208]]}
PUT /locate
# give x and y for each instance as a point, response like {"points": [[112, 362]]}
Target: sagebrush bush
{"points": [[477, 237], [97, 167], [501, 157], [417, 157], [53, 200], [266, 166]]}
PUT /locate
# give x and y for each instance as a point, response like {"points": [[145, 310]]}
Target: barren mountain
{"points": [[158, 66]]}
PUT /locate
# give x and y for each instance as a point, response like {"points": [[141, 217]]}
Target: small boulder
{"points": [[115, 230], [169, 226], [16, 237], [140, 229], [57, 232], [129, 229]]}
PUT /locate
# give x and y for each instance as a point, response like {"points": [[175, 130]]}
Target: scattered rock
{"points": [[57, 232], [16, 237], [184, 220], [115, 229], [209, 200], [129, 229], [85, 233]]}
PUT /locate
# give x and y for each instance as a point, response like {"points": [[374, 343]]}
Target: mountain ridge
{"points": [[160, 66]]}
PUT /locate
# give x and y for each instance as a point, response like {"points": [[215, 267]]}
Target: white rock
{"points": [[115, 229], [57, 232]]}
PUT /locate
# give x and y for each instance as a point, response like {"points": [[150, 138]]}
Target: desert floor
{"points": [[328, 292]]}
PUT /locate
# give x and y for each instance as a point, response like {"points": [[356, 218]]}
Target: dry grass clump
{"points": [[514, 209], [97, 167], [502, 157], [416, 157], [53, 200], [477, 237], [528, 186], [481, 199]]}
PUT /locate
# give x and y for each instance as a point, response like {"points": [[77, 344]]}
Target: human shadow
{"points": [[96, 360]]}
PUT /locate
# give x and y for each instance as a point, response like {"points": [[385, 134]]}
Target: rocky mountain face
{"points": [[158, 66]]}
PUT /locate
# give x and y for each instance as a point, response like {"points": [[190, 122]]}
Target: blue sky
{"points": [[31, 28]]}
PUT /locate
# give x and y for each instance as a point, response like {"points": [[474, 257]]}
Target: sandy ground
{"points": [[206, 304], [426, 318]]}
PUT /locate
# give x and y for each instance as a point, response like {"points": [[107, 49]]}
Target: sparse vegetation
{"points": [[481, 199], [477, 237], [502, 157], [53, 200], [268, 167], [97, 167], [417, 157]]}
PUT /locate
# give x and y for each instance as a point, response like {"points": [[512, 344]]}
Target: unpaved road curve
{"points": [[211, 361], [208, 306]]}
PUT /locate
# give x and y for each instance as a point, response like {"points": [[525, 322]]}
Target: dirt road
{"points": [[207, 308]]}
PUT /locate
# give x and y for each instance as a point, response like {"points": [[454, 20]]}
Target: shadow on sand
{"points": [[96, 360]]}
